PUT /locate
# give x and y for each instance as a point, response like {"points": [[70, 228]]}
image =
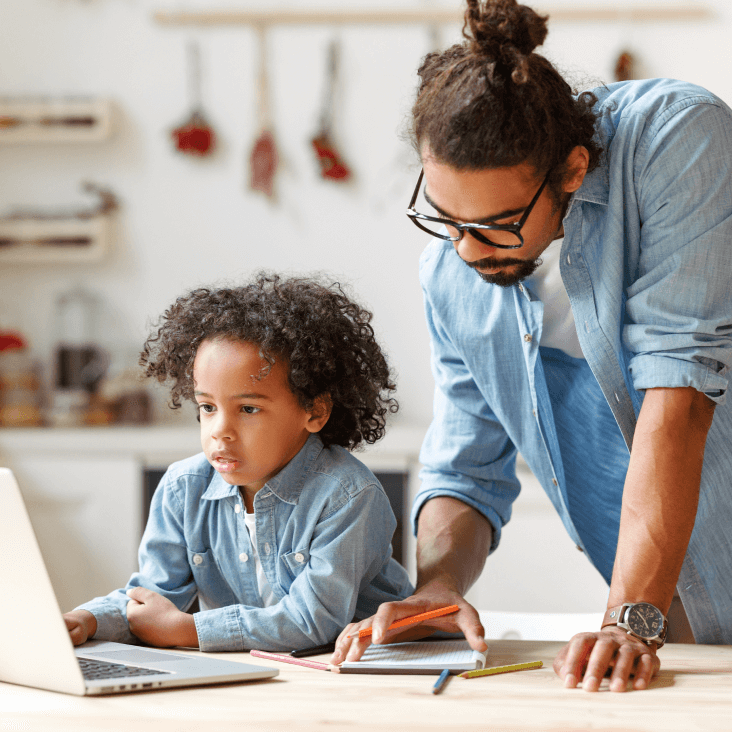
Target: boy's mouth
{"points": [[224, 464]]}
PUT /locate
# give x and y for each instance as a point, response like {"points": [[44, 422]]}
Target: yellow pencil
{"points": [[500, 669]]}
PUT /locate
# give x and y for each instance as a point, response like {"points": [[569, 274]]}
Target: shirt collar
{"points": [[286, 485], [594, 188]]}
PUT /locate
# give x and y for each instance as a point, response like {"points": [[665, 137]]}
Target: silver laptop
{"points": [[36, 649]]}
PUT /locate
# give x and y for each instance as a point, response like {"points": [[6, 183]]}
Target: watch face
{"points": [[644, 620]]}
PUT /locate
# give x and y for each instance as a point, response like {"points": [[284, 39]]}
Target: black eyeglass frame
{"points": [[473, 229]]}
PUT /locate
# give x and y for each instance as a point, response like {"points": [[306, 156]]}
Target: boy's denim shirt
{"points": [[647, 264], [324, 527]]}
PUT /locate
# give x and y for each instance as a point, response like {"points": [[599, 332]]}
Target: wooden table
{"points": [[692, 692]]}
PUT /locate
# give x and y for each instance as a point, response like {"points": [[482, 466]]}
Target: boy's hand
{"points": [[155, 620], [81, 625]]}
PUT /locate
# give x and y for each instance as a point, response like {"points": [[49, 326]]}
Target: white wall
{"points": [[185, 222]]}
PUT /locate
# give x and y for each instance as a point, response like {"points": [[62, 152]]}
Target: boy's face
{"points": [[250, 427]]}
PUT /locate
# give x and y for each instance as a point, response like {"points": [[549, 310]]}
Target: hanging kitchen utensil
{"points": [[263, 159], [195, 136], [331, 163], [625, 67]]}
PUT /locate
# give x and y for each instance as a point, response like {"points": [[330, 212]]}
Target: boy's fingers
{"points": [[140, 594]]}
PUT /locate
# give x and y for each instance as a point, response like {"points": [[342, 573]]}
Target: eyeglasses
{"points": [[508, 233]]}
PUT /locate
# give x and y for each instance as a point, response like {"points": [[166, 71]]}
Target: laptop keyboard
{"points": [[94, 670]]}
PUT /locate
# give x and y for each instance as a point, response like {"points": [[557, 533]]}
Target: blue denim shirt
{"points": [[647, 264], [323, 525]]}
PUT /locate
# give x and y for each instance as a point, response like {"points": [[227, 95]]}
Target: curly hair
{"points": [[325, 339], [492, 102]]}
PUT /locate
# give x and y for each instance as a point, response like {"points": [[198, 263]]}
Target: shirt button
{"points": [[243, 557], [554, 480], [579, 548], [237, 508], [521, 287], [266, 548], [300, 557], [528, 338], [197, 559]]}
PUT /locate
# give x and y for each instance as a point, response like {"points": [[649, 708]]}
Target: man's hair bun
{"points": [[504, 32]]}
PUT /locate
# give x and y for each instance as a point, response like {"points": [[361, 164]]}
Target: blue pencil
{"points": [[441, 681]]}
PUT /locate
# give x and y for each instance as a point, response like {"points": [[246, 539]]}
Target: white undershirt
{"points": [[558, 330], [265, 589]]}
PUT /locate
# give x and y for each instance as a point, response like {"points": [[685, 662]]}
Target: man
{"points": [[591, 330]]}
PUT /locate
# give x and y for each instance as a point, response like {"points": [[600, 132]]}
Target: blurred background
{"points": [[148, 147]]}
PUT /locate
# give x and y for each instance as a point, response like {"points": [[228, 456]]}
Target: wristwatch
{"points": [[639, 619]]}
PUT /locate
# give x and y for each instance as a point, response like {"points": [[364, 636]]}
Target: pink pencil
{"points": [[289, 659]]}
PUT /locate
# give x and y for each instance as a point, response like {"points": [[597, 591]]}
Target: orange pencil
{"points": [[411, 620]]}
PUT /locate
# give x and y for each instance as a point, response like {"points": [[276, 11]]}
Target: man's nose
{"points": [[470, 249]]}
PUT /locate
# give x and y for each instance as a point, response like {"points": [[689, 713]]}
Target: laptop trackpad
{"points": [[137, 655]]}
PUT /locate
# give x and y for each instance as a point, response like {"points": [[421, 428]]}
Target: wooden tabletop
{"points": [[693, 691]]}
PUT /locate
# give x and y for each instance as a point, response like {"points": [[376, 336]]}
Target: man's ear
{"points": [[319, 413], [577, 164]]}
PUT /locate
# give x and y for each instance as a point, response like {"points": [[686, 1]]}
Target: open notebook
{"points": [[418, 657]]}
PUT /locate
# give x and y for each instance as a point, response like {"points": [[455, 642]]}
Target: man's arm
{"points": [[660, 499], [453, 540]]}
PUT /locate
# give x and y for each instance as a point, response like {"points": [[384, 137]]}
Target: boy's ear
{"points": [[319, 414]]}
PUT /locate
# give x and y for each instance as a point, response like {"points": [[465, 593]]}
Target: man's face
{"points": [[500, 196]]}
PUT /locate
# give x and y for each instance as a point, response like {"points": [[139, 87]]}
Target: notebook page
{"points": [[451, 654]]}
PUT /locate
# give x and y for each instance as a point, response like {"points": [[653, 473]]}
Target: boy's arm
{"points": [[157, 621], [81, 625], [164, 570]]}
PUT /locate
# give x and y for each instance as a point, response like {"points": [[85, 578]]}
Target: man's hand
{"points": [[81, 625], [429, 597], [588, 657], [156, 620]]}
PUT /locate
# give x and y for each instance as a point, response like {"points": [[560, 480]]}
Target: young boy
{"points": [[282, 535]]}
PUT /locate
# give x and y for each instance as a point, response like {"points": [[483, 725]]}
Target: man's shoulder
{"points": [[651, 99], [442, 271]]}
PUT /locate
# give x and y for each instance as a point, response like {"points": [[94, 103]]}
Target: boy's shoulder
{"points": [[323, 475], [194, 472], [344, 467]]}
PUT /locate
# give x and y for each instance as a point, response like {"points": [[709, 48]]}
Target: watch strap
{"points": [[612, 615]]}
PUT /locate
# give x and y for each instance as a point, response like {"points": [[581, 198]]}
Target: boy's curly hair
{"points": [[324, 338]]}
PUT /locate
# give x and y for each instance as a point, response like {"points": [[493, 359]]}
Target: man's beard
{"points": [[519, 270]]}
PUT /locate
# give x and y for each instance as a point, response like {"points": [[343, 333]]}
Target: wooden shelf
{"points": [[39, 241], [427, 16], [50, 120]]}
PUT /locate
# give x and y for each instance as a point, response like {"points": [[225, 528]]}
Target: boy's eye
{"points": [[207, 408], [250, 410]]}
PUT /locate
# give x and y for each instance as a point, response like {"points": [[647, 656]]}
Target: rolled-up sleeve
{"points": [[679, 307]]}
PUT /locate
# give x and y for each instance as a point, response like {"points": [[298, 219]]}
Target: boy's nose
{"points": [[222, 428]]}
